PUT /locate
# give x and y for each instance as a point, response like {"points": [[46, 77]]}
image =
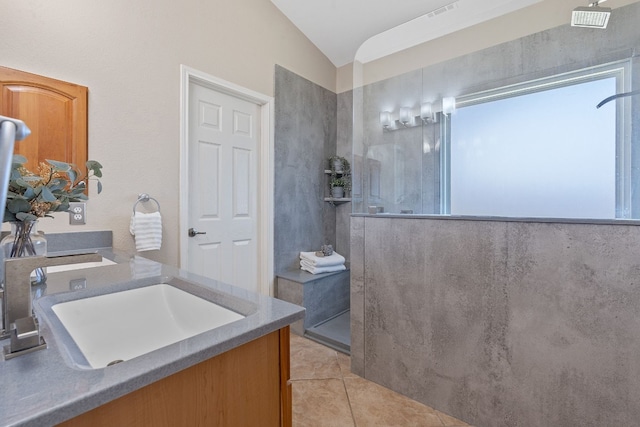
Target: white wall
{"points": [[128, 54]]}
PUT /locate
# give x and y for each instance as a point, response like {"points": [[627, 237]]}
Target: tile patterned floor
{"points": [[327, 394]]}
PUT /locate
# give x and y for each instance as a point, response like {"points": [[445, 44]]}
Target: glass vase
{"points": [[24, 241]]}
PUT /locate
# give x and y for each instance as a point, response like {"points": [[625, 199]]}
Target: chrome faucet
{"points": [[11, 130], [20, 323]]}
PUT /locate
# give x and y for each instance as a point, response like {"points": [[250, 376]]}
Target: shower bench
{"points": [[326, 298]]}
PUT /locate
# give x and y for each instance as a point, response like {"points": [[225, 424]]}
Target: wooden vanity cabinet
{"points": [[246, 386]]}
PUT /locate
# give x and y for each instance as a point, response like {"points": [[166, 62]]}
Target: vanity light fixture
{"points": [[426, 110], [448, 105], [385, 119], [427, 114], [405, 116]]}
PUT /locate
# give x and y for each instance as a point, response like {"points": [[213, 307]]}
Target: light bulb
{"points": [[405, 115], [426, 111], [385, 119], [448, 105]]}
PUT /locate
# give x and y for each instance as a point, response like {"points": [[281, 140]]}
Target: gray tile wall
{"points": [[501, 323], [344, 148], [357, 296], [305, 136], [550, 52]]}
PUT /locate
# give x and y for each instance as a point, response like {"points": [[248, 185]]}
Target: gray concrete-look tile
{"points": [[449, 421]]}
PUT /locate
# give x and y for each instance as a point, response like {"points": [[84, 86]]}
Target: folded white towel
{"points": [[317, 261], [147, 230], [317, 270]]}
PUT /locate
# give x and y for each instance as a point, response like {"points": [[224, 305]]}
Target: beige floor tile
{"points": [[320, 403], [345, 365], [327, 394], [449, 421], [374, 405], [310, 360]]}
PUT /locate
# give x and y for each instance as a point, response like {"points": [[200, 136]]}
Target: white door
{"points": [[222, 202]]}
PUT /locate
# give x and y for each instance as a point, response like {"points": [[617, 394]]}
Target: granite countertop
{"points": [[46, 387]]}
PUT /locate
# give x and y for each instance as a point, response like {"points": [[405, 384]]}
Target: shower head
{"points": [[591, 16]]}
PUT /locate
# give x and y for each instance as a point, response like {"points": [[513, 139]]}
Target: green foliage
{"points": [[338, 182], [340, 178], [346, 167], [32, 196]]}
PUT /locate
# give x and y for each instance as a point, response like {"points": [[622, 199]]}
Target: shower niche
{"points": [[338, 181]]}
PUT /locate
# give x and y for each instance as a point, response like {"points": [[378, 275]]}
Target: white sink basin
{"points": [[57, 268], [123, 325]]}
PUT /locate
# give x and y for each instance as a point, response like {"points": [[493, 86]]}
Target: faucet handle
{"points": [[25, 327], [25, 338]]}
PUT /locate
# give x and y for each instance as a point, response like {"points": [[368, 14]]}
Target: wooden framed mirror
{"points": [[54, 110]]}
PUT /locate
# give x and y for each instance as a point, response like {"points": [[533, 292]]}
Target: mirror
{"points": [[54, 110]]}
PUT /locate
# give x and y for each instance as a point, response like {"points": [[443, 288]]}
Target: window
{"points": [[541, 149]]}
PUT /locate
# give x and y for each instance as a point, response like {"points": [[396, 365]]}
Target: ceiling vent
{"points": [[442, 10]]}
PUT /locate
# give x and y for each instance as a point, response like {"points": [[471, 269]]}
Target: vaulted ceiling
{"points": [[370, 29]]}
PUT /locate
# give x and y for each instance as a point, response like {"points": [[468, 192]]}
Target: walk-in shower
{"points": [[482, 315]]}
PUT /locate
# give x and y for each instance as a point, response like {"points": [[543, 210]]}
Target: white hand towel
{"points": [[331, 260], [147, 230], [317, 270]]}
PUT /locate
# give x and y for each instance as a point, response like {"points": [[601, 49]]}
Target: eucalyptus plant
{"points": [[35, 195]]}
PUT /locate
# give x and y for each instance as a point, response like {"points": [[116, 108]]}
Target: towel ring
{"points": [[144, 197]]}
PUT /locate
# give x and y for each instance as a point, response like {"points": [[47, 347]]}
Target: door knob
{"points": [[193, 232]]}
